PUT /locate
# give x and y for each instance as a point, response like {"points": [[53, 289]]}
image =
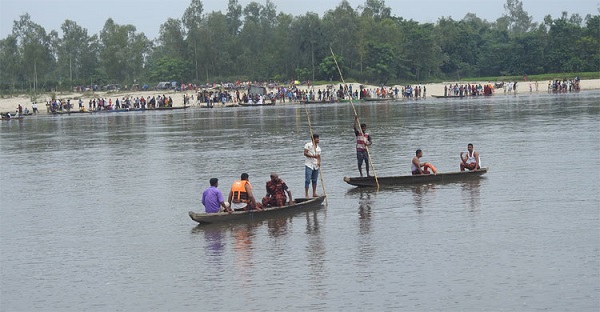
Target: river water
{"points": [[94, 210]]}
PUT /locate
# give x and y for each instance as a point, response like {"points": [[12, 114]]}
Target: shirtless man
{"points": [[416, 167], [471, 161]]}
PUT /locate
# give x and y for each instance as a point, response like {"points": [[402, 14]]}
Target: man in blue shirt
{"points": [[212, 198]]}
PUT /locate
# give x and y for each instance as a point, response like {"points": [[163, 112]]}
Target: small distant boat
{"points": [[316, 101], [261, 104], [448, 96], [299, 205], [12, 118], [416, 179], [378, 99], [68, 112], [169, 108], [120, 110]]}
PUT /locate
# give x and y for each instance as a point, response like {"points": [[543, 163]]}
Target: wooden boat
{"points": [[220, 105], [316, 102], [378, 99], [299, 205], [169, 108], [262, 104], [416, 179], [120, 110], [66, 112], [448, 96], [12, 118]]}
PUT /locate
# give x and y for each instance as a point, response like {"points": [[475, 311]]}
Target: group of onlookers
{"points": [[564, 85]]}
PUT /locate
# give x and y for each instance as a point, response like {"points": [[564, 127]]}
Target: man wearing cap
{"points": [[276, 190], [213, 200], [240, 195], [312, 163]]}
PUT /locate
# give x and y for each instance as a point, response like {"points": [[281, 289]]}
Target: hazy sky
{"points": [[148, 15]]}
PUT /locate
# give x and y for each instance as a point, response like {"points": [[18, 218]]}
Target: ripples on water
{"points": [[94, 210]]}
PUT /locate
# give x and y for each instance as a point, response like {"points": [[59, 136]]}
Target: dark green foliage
{"points": [[257, 43]]}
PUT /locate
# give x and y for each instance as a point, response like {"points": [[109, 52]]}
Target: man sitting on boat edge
{"points": [[416, 165], [240, 195], [276, 190], [213, 200], [471, 161]]}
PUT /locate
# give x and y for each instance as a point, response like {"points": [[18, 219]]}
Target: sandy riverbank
{"points": [[11, 104]]}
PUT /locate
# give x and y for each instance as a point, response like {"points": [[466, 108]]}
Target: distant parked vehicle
{"points": [[112, 87], [163, 85]]}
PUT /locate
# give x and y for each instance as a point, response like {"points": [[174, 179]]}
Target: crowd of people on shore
{"points": [[232, 94], [562, 86], [294, 94], [100, 104], [471, 89]]}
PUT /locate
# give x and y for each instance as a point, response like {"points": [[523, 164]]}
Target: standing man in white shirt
{"points": [[312, 164]]}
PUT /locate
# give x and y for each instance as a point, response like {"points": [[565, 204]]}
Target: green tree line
{"points": [[256, 42]]}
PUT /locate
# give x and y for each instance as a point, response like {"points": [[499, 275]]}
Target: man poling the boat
{"points": [[369, 162], [240, 195], [363, 140], [471, 161]]}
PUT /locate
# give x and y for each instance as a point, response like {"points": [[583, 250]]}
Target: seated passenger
{"points": [[240, 195], [471, 161], [276, 190], [416, 167], [212, 198]]}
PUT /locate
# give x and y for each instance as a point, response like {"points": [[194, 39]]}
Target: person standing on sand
{"points": [[312, 164]]}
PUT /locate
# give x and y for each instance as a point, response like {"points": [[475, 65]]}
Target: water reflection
{"points": [[214, 241], [420, 193], [277, 227], [471, 194], [364, 212], [316, 254], [366, 247]]}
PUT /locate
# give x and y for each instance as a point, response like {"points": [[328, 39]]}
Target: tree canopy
{"points": [[256, 42]]}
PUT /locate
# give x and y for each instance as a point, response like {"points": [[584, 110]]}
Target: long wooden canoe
{"points": [[169, 108], [66, 112], [317, 101], [378, 99], [299, 205], [120, 110], [448, 96], [416, 179], [12, 118], [252, 104]]}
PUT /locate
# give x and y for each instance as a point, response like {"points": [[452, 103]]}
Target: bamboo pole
{"points": [[357, 119]]}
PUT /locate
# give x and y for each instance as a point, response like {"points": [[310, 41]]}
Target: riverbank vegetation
{"points": [[256, 43]]}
